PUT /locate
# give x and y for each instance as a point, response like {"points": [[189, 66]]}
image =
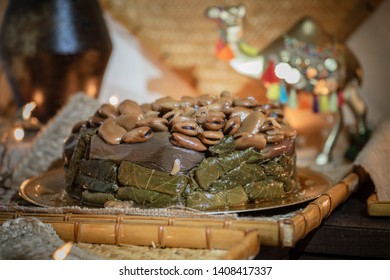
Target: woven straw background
{"points": [[184, 38]]}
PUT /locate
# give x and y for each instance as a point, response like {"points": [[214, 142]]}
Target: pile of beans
{"points": [[193, 122]]}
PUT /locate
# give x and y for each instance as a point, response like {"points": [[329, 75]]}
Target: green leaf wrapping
{"points": [[226, 146], [130, 174], [78, 154], [207, 201], [208, 171], [96, 198], [234, 159], [147, 198], [104, 170], [212, 168], [239, 176], [94, 184], [265, 190], [282, 168]]}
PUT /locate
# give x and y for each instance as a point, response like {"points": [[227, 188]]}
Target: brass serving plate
{"points": [[48, 190]]}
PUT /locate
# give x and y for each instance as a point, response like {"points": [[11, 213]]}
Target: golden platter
{"points": [[48, 190]]}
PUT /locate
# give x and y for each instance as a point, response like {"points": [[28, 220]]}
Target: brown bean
{"points": [[214, 122], [210, 137], [138, 135], [206, 99], [232, 125], [215, 117], [169, 105], [226, 105], [227, 110], [285, 130], [274, 122], [225, 94], [151, 114], [217, 114], [269, 124], [214, 107], [188, 101], [201, 114], [289, 131], [179, 119], [188, 111], [129, 107], [171, 114], [253, 122], [156, 105], [157, 124], [187, 128], [275, 131], [128, 121], [146, 107], [187, 142], [268, 106], [96, 120], [247, 140], [242, 112], [245, 102], [111, 132], [276, 113], [261, 109], [108, 110], [274, 138]]}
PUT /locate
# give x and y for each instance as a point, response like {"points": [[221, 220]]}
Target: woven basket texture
{"points": [[131, 252], [184, 38]]}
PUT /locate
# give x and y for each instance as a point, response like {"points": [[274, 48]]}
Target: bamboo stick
{"points": [[311, 217], [269, 230], [376, 207], [248, 248], [147, 235]]}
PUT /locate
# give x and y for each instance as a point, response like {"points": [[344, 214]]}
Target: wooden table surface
{"points": [[349, 234]]}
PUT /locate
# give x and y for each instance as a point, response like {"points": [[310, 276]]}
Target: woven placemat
{"points": [[131, 252]]}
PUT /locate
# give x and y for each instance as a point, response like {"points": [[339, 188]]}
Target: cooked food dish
{"points": [[204, 153]]}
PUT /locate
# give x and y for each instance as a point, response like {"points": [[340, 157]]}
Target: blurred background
{"points": [[167, 47]]}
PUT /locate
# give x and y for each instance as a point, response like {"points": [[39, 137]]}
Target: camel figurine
{"points": [[304, 59]]}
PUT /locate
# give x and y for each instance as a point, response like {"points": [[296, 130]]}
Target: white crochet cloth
{"points": [[30, 239], [48, 144], [375, 159]]}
